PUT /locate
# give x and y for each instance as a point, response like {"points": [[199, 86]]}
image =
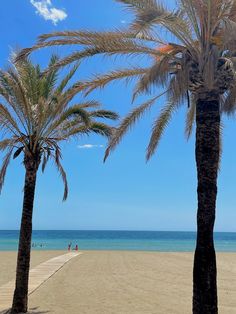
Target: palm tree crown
{"points": [[200, 60], [36, 115]]}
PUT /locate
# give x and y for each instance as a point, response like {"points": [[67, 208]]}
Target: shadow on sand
{"points": [[31, 311]]}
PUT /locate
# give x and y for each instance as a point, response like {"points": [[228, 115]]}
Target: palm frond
{"points": [[89, 104], [139, 4], [61, 171], [101, 129], [6, 143], [86, 37], [100, 81], [73, 128], [229, 103], [108, 48], [24, 53], [190, 118], [188, 6], [155, 75], [80, 115], [95, 35], [106, 43], [77, 111], [66, 79], [49, 80], [158, 128], [107, 114], [44, 163], [127, 123], [178, 87], [7, 120], [13, 91], [147, 18], [3, 169]]}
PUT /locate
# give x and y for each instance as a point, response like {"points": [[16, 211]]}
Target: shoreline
{"points": [[115, 250]]}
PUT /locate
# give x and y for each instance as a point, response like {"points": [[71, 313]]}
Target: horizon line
{"points": [[116, 230]]}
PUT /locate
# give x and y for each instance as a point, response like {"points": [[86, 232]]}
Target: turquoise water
{"points": [[163, 241]]}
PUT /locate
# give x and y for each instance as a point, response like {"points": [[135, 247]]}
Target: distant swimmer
{"points": [[76, 248]]}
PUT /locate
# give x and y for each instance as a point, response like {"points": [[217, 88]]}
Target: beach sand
{"points": [[123, 282]]}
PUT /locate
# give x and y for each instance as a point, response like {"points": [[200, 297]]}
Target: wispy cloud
{"points": [[88, 146], [123, 21], [48, 11]]}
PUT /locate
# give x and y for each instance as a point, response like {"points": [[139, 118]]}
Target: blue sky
{"points": [[125, 193]]}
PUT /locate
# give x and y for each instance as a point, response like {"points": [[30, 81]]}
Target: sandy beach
{"points": [[123, 282]]}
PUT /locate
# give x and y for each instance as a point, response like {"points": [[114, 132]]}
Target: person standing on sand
{"points": [[69, 246]]}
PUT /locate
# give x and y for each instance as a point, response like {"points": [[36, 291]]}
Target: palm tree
{"points": [[198, 68], [35, 116]]}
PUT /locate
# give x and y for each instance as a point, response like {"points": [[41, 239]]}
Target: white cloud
{"points": [[47, 11], [88, 146], [123, 21]]}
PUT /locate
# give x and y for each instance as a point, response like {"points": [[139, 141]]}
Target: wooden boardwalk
{"points": [[37, 277]]}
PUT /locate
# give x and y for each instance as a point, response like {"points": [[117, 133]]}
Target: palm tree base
{"points": [[205, 284], [20, 305]]}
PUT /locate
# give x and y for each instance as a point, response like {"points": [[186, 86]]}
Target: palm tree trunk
{"points": [[20, 299], [207, 159]]}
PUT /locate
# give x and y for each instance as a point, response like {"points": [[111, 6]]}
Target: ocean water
{"points": [[162, 241]]}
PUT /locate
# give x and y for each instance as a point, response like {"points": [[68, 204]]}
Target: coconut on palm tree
{"points": [[196, 68], [36, 115]]}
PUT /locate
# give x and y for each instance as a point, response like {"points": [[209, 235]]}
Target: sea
{"points": [[160, 241]]}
